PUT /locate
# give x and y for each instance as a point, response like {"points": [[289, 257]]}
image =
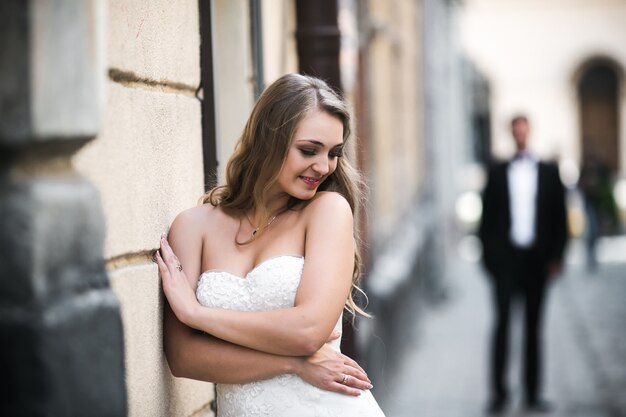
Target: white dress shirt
{"points": [[522, 179]]}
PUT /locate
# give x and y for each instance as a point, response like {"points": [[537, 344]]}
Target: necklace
{"points": [[256, 229]]}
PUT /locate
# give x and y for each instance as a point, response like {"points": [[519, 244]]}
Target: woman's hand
{"points": [[176, 286], [333, 371]]}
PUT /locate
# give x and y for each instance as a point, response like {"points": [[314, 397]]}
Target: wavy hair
{"points": [[262, 149]]}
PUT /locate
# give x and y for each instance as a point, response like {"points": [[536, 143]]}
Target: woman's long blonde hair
{"points": [[262, 149]]}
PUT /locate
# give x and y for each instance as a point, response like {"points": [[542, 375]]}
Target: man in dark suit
{"points": [[523, 232]]}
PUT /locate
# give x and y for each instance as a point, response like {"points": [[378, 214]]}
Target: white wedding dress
{"points": [[272, 285]]}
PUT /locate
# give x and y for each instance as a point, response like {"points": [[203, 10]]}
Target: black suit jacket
{"points": [[550, 221]]}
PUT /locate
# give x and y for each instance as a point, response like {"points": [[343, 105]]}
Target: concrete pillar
{"points": [[61, 344]]}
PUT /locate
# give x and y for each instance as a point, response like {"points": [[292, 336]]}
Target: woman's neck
{"points": [[274, 208]]}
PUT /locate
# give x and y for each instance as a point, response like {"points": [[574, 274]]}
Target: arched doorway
{"points": [[598, 95], [599, 102]]}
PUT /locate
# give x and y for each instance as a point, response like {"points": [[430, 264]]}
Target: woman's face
{"points": [[312, 156]]}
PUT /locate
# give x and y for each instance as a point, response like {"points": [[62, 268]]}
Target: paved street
{"points": [[442, 371]]}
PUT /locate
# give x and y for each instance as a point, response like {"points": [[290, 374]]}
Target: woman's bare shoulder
{"points": [[325, 204], [195, 219], [328, 201]]}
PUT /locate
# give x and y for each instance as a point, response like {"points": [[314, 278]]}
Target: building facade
{"points": [[563, 64], [173, 84]]}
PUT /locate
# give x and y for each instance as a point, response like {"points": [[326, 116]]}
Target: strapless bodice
{"points": [[270, 285]]}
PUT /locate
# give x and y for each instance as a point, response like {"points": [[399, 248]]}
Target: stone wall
{"points": [[61, 346], [147, 166]]}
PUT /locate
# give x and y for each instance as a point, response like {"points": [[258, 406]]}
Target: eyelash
{"points": [[312, 152]]}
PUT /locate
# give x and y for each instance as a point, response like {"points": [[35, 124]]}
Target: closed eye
{"points": [[308, 151], [336, 152]]}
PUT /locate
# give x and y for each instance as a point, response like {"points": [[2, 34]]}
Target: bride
{"points": [[258, 276]]}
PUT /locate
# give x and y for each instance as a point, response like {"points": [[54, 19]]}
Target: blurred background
{"points": [[116, 115]]}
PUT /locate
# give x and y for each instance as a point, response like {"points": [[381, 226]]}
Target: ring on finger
{"points": [[344, 379], [179, 267]]}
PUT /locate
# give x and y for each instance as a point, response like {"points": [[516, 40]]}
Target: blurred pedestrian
{"points": [[596, 187], [523, 231]]}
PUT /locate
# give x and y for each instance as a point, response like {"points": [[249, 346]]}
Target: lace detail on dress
{"points": [[279, 276], [272, 285]]}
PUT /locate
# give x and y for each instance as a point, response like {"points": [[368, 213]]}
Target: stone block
{"points": [[153, 138], [152, 390], [63, 358], [51, 240], [14, 69], [52, 70], [156, 40]]}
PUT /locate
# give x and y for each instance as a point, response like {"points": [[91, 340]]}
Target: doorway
{"points": [[598, 95]]}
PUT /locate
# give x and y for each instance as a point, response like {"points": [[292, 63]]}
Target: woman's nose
{"points": [[322, 166]]}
